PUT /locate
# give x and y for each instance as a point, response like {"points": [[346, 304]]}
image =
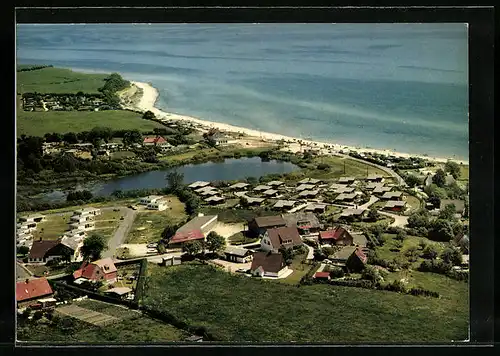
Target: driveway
{"points": [[22, 272], [400, 221], [121, 233], [373, 200], [233, 266], [310, 252]]}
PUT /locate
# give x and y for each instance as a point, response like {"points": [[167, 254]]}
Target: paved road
{"points": [[399, 220], [121, 233], [22, 272], [107, 208], [373, 200], [398, 178], [310, 252]]}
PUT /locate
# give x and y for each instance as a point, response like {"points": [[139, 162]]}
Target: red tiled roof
{"points": [[361, 255], [184, 236], [34, 288], [155, 140], [89, 270], [322, 275], [332, 234]]}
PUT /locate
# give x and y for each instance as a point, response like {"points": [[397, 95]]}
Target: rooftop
{"points": [[197, 223]]}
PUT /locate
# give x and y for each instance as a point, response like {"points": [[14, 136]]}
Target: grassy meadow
{"points": [[59, 80], [238, 308]]}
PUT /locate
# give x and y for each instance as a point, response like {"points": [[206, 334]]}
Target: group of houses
{"points": [[63, 102], [66, 247], [25, 227]]}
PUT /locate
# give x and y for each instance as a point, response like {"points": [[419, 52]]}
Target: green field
{"points": [[40, 123], [132, 328], [59, 80], [238, 308], [53, 227], [149, 224]]}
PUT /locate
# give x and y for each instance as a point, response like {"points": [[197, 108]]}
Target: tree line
{"points": [[35, 67]]}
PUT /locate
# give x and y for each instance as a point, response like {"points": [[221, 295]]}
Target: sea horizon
{"points": [[424, 110]]}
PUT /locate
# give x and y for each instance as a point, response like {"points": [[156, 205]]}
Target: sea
{"points": [[402, 87]]}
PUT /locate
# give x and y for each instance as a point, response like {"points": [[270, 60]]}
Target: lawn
{"points": [[118, 203], [390, 244], [413, 203], [236, 215], [107, 223], [240, 239], [59, 80], [149, 224], [122, 154], [53, 227], [464, 173], [133, 327], [238, 308], [352, 168], [299, 269], [40, 123]]}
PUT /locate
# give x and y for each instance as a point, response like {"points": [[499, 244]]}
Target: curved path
{"points": [[399, 220], [396, 176]]}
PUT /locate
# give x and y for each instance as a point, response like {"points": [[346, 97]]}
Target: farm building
{"points": [[356, 261], [43, 251], [29, 290]]}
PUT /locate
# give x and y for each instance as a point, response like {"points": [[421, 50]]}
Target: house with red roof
{"points": [[103, 270], [155, 141], [185, 236], [31, 289], [322, 276], [337, 236], [356, 261]]}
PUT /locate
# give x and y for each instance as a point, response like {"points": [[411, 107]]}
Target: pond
{"points": [[230, 169]]}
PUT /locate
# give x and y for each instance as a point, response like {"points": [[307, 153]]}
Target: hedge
{"points": [[139, 290]]}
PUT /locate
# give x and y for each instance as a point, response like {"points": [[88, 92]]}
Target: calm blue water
{"points": [[230, 169], [396, 86]]}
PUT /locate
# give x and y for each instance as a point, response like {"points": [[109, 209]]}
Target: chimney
{"points": [[27, 280], [40, 238]]}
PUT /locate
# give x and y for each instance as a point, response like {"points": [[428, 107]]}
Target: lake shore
{"points": [[150, 96]]}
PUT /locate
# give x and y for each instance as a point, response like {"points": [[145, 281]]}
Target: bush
{"points": [[430, 252], [396, 286], [436, 266], [452, 256], [336, 272], [371, 274]]}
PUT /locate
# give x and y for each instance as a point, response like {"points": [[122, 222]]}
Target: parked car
{"points": [[152, 245], [132, 207], [116, 209], [241, 270]]}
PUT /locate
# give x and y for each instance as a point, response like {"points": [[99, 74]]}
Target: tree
{"points": [[168, 232], [192, 247], [287, 254], [148, 115], [70, 137], [453, 168], [175, 181], [430, 252], [161, 248], [448, 212], [401, 235], [412, 253], [412, 180], [131, 137], [419, 219], [435, 201], [370, 273], [373, 213], [441, 230], [215, 242], [251, 180], [439, 178], [318, 254], [23, 250], [93, 247], [452, 255]]}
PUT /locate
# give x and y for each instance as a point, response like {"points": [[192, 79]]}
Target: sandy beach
{"points": [[150, 95]]}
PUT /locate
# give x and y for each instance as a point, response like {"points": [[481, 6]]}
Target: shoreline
{"points": [[150, 96]]}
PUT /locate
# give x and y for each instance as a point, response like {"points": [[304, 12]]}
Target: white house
{"points": [[87, 211], [32, 218], [85, 226], [159, 205], [149, 199], [81, 218]]}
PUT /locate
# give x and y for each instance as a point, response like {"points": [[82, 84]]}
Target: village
{"points": [[323, 222]]}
